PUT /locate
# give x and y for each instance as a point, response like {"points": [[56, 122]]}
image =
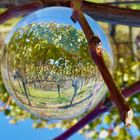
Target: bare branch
{"points": [[124, 2], [100, 12], [131, 90], [18, 11], [96, 54], [99, 110]]}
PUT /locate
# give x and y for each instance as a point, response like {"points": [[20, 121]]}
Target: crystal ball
{"points": [[47, 68]]}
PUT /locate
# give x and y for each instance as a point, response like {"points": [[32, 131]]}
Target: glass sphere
{"points": [[47, 67]]}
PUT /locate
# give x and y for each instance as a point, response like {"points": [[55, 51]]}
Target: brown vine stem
{"points": [[132, 89], [99, 110], [18, 11], [94, 42], [102, 12]]}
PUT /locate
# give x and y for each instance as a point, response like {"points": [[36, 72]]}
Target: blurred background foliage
{"points": [[125, 45]]}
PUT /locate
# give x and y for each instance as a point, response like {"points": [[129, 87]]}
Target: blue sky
{"points": [[24, 131]]}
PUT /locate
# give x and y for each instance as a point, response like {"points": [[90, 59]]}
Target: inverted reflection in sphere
{"points": [[47, 67]]}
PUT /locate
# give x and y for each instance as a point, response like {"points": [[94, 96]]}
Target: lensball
{"points": [[47, 67]]}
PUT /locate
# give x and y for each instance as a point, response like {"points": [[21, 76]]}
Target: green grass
{"points": [[51, 99], [48, 94], [48, 103], [40, 98]]}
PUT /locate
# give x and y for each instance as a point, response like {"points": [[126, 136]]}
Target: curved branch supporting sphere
{"points": [[99, 110], [77, 15], [94, 43], [101, 12]]}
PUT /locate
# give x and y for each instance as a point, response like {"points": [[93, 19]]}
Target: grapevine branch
{"points": [[96, 53], [102, 107], [102, 12], [18, 11], [124, 2]]}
